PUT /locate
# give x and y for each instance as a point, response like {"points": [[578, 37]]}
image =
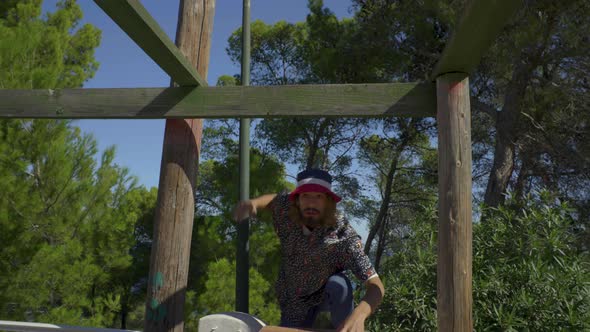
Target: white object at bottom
{"points": [[230, 322]]}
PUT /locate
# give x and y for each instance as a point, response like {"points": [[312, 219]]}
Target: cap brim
{"points": [[316, 188]]}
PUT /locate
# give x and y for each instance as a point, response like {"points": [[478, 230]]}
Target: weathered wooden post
{"points": [[454, 298], [173, 222]]}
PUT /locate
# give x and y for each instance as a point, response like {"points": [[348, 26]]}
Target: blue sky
{"points": [[124, 64]]}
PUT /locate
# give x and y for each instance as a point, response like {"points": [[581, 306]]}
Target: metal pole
{"points": [[243, 247]]}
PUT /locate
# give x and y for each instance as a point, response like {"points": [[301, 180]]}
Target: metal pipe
{"points": [[243, 246]]}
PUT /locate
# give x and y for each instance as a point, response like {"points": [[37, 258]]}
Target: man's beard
{"points": [[314, 221]]}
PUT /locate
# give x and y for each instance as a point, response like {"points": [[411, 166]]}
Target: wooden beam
{"points": [[134, 19], [454, 298], [478, 28], [348, 100], [174, 215]]}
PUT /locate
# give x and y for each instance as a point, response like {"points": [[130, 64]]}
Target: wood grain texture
{"points": [[349, 100], [454, 271], [193, 33], [140, 26], [479, 26], [173, 222]]}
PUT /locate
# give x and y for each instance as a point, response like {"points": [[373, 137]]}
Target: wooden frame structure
{"points": [[448, 100]]}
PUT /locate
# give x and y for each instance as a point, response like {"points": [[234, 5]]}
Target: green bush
{"points": [[220, 295], [409, 277], [528, 274]]}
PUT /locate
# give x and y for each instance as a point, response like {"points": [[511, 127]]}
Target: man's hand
{"points": [[354, 323], [243, 210], [249, 208], [373, 297]]}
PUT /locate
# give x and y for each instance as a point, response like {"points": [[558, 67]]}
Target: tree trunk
{"points": [[386, 198], [315, 135], [381, 242], [174, 215], [506, 127], [502, 168], [523, 175]]}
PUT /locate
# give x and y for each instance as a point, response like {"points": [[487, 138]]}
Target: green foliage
{"points": [[212, 266], [530, 274], [535, 72], [74, 241], [219, 181], [129, 282], [73, 223], [275, 52], [409, 277], [48, 53], [49, 205], [226, 80], [405, 179], [220, 292], [13, 12], [543, 93], [405, 38], [322, 49], [208, 244], [69, 222], [527, 274]]}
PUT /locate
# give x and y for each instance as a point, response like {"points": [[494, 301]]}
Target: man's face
{"points": [[312, 206]]}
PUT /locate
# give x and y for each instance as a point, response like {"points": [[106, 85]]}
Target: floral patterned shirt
{"points": [[309, 258]]}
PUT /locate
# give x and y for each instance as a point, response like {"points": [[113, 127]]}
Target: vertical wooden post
{"points": [[174, 216], [454, 298]]}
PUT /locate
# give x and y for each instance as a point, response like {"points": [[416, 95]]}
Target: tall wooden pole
{"points": [[454, 299], [173, 221]]}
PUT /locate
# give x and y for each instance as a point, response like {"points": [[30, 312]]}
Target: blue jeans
{"points": [[337, 300]]}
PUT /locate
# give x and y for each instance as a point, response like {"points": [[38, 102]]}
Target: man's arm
{"points": [[367, 306], [249, 208], [263, 201], [373, 296]]}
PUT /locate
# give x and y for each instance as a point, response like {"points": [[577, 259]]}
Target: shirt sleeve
{"points": [[356, 260], [280, 209]]}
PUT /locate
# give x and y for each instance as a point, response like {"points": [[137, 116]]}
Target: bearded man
{"points": [[317, 246]]}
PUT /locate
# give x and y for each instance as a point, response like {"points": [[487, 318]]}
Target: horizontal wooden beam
{"points": [[346, 100], [481, 23], [138, 24]]}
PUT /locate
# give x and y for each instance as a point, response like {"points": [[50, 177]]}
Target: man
{"points": [[317, 246]]}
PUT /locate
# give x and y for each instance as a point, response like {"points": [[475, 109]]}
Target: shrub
{"points": [[528, 274]]}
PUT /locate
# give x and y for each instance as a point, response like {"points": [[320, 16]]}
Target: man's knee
{"points": [[339, 288]]}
